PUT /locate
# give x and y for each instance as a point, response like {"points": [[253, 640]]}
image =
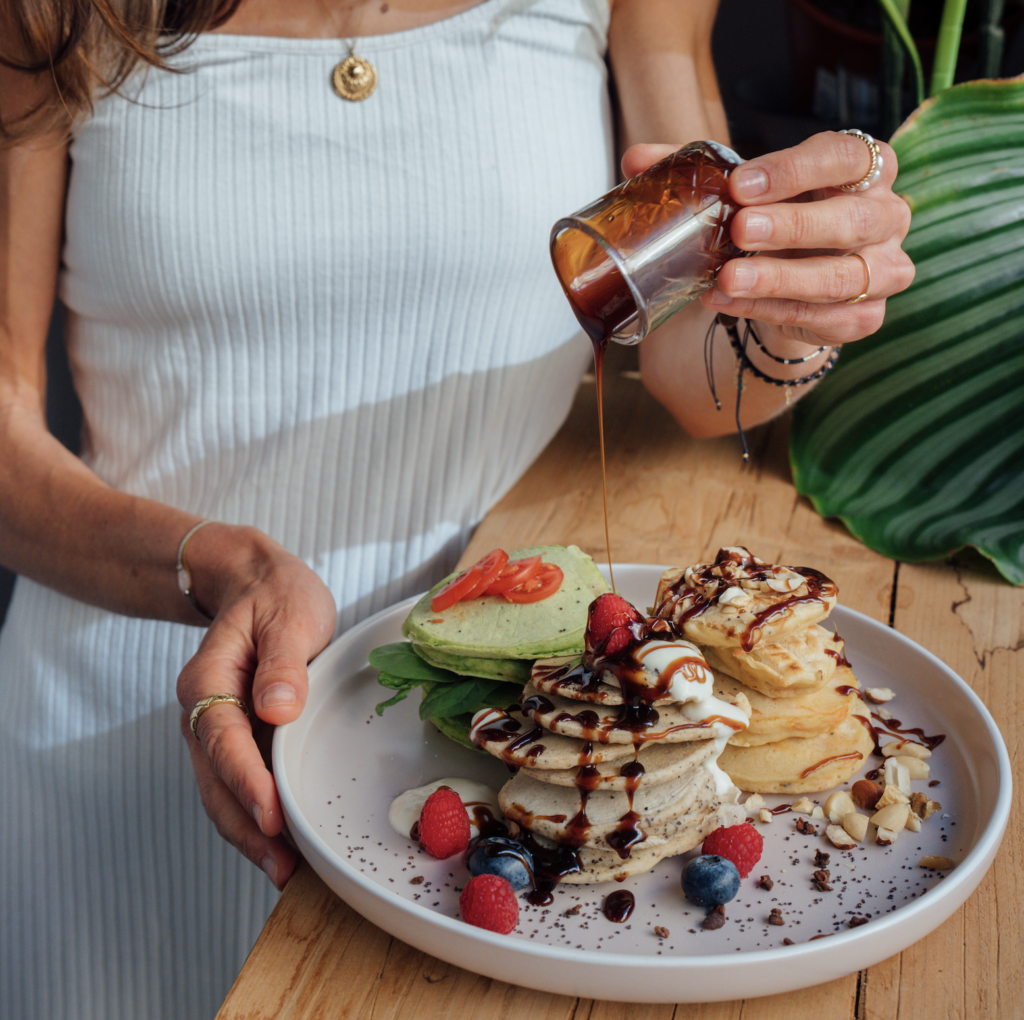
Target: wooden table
{"points": [[677, 500]]}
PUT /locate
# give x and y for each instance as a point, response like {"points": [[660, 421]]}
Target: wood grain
{"points": [[676, 500]]}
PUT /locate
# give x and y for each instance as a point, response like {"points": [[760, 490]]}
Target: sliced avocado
{"points": [[493, 628]]}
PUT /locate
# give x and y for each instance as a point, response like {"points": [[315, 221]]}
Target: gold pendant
{"points": [[354, 78]]}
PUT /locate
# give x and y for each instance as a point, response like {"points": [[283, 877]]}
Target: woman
{"points": [[328, 325]]}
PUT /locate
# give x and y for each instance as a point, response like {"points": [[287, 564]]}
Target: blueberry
{"points": [[506, 858], [710, 880]]}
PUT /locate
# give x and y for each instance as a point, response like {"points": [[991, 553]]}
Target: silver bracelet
{"points": [[185, 575]]}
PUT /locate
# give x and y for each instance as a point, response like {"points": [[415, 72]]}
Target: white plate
{"points": [[340, 765]]}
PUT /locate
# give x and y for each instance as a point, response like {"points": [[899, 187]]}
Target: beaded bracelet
{"points": [[743, 363]]}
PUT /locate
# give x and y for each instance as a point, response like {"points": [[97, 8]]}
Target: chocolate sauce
{"points": [[843, 690], [841, 659], [618, 906], [781, 809], [895, 728], [550, 865], [824, 761]]}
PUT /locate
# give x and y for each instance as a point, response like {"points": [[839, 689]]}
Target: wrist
{"points": [[224, 558]]}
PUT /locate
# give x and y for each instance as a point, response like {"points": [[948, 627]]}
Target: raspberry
{"points": [[611, 624], [742, 844], [444, 824], [488, 901]]}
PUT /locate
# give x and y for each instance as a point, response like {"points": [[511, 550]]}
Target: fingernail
{"points": [[257, 813], [744, 276], [719, 299], [757, 227], [269, 865], [278, 696], [750, 183]]}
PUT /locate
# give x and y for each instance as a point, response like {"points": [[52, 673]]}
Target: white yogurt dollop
{"points": [[406, 808]]}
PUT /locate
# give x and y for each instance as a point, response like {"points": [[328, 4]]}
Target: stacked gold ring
{"points": [[205, 703], [874, 171]]}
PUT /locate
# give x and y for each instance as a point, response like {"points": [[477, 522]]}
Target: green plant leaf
{"points": [[455, 699], [399, 659], [916, 440], [894, 16]]}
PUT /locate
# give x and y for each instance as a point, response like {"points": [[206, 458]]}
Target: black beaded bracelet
{"points": [[743, 363]]}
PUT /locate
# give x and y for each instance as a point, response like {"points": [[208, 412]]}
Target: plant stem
{"points": [[991, 32], [899, 26], [891, 97], [948, 45]]}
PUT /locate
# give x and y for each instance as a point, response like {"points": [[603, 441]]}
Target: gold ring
{"points": [[213, 699], [874, 171], [867, 283]]}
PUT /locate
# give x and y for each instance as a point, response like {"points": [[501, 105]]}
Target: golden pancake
{"points": [[775, 719], [790, 666], [807, 765]]}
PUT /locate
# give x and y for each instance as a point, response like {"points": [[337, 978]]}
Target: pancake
{"points": [[513, 670], [518, 741], [784, 767], [614, 723], [775, 719], [793, 665], [740, 600], [490, 627], [555, 676], [550, 811], [598, 865], [661, 764]]}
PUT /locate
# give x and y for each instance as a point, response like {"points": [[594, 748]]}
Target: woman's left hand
{"points": [[796, 215]]}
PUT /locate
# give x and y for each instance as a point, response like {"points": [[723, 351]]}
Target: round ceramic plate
{"points": [[340, 765]]}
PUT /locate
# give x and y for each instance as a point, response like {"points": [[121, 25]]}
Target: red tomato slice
{"points": [[480, 575], [514, 573], [545, 582]]}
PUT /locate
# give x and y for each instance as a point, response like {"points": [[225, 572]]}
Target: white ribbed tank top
{"points": [[335, 321]]}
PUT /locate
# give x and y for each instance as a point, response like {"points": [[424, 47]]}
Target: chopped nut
{"points": [[715, 919], [418, 880], [734, 597], [892, 817], [821, 859], [856, 922], [821, 878], [917, 768], [662, 933], [840, 837], [884, 714], [838, 805], [923, 806], [865, 793], [856, 825], [788, 942], [775, 917], [936, 863], [765, 815], [885, 837], [765, 883], [803, 806], [822, 875], [823, 935], [879, 694], [572, 911], [806, 828], [892, 794], [898, 775], [910, 748], [914, 823], [817, 814], [754, 802]]}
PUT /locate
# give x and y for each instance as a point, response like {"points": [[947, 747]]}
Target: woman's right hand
{"points": [[271, 615]]}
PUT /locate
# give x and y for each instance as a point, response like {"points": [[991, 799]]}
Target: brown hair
{"points": [[68, 51]]}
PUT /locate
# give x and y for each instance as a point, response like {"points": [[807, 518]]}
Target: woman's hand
{"points": [[272, 615], [797, 216]]}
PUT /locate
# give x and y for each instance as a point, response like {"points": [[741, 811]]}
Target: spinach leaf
{"points": [[400, 660], [454, 699]]}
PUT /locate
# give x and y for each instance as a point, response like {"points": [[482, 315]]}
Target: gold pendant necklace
{"points": [[354, 78]]}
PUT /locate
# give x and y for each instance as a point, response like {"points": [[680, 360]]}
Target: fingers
{"points": [[637, 158], [269, 852], [839, 222], [825, 160]]}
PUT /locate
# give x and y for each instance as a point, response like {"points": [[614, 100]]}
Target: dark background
{"points": [[774, 98]]}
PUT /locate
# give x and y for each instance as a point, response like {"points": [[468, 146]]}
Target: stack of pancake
{"points": [[616, 754], [758, 626]]}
